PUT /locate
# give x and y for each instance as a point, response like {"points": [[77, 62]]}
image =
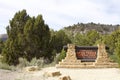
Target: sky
{"points": [[61, 13]]}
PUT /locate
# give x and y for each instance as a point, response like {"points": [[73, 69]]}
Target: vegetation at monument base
{"points": [[29, 38], [62, 55], [1, 45]]}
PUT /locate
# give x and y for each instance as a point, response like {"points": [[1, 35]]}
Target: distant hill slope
{"points": [[83, 28], [3, 37]]}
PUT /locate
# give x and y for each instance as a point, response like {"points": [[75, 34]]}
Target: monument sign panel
{"points": [[86, 53]]}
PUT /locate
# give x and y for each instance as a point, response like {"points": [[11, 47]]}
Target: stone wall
{"points": [[103, 59], [70, 59], [102, 56], [71, 55]]}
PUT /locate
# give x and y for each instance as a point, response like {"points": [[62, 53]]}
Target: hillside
{"points": [[3, 37], [83, 28]]}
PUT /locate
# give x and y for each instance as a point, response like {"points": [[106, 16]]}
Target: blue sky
{"points": [[60, 13]]}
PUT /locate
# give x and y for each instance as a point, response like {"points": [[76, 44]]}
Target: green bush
{"points": [[34, 62], [6, 66], [117, 50], [22, 63], [62, 55], [114, 58]]}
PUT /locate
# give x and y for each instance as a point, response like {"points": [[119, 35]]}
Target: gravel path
{"points": [[75, 74]]}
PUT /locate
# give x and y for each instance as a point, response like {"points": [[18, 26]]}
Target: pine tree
{"points": [[59, 40], [13, 47], [37, 38], [27, 37]]}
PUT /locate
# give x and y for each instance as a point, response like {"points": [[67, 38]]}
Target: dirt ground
{"points": [[75, 74]]}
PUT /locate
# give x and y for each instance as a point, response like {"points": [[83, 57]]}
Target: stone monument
{"points": [[71, 60]]}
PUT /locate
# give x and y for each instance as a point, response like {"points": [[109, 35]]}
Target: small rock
{"points": [[65, 78], [31, 68], [52, 74]]}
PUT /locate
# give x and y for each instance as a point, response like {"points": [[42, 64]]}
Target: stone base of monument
{"points": [[86, 65], [106, 65], [101, 62], [74, 64], [69, 62]]}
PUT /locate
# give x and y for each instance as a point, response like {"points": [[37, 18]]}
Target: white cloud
{"points": [[60, 13]]}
